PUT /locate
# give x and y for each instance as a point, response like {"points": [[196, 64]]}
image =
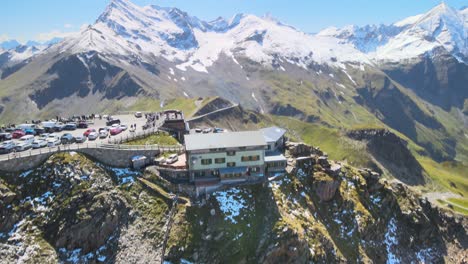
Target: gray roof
{"points": [[224, 140], [273, 134], [275, 157]]}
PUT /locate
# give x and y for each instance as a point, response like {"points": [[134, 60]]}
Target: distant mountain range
{"points": [[410, 76]]}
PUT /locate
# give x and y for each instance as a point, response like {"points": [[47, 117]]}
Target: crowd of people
{"points": [[152, 120]]}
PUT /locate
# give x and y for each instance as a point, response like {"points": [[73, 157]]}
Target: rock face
{"points": [[300, 149], [392, 152], [325, 186], [72, 210], [100, 217]]}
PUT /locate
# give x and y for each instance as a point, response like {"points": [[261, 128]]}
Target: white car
{"points": [[39, 143], [52, 142], [80, 139], [138, 114], [23, 145], [28, 138], [44, 136], [172, 159], [103, 134], [93, 136], [123, 127]]}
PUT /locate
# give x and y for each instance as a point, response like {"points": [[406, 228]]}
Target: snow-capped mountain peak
{"points": [[125, 29], [442, 26]]}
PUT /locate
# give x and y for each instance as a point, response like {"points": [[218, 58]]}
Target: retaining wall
{"points": [[111, 157]]}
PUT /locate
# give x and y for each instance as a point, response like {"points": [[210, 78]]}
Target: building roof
{"points": [[273, 134], [224, 140], [275, 157]]}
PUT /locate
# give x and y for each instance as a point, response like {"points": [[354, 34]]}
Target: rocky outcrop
{"points": [[392, 152], [296, 149], [325, 186]]}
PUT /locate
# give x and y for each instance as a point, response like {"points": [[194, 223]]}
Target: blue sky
{"points": [[44, 19]]}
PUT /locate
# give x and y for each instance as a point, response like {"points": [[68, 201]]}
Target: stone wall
{"points": [[111, 157]]}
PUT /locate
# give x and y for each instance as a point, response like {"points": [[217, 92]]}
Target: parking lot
{"points": [[97, 123]]}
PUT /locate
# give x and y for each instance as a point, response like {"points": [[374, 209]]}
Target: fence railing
{"points": [[62, 148], [133, 136]]}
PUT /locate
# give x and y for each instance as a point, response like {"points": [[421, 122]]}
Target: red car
{"points": [[89, 131], [18, 133], [115, 131]]}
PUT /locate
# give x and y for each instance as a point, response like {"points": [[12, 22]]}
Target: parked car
{"points": [[44, 136], [93, 135], [29, 131], [17, 134], [69, 126], [112, 122], [172, 159], [52, 142], [138, 114], [89, 131], [207, 130], [103, 134], [218, 130], [198, 130], [24, 143], [7, 146], [82, 124], [10, 129], [105, 116], [5, 136], [80, 139], [39, 130], [115, 131], [27, 138], [39, 143], [123, 127], [58, 127], [67, 138]]}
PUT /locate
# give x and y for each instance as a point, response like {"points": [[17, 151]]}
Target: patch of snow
{"points": [[125, 175], [230, 203], [255, 98], [349, 76], [426, 255], [171, 71], [341, 85], [186, 95], [183, 79], [25, 174], [391, 241]]}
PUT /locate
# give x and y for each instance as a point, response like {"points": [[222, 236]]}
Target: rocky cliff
{"points": [[71, 210]]}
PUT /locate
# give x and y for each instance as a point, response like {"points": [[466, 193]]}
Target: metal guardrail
{"points": [[72, 147], [133, 136]]}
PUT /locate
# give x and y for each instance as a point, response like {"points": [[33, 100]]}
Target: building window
{"points": [[206, 161], [255, 169], [231, 164], [250, 158], [231, 153], [220, 160]]}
